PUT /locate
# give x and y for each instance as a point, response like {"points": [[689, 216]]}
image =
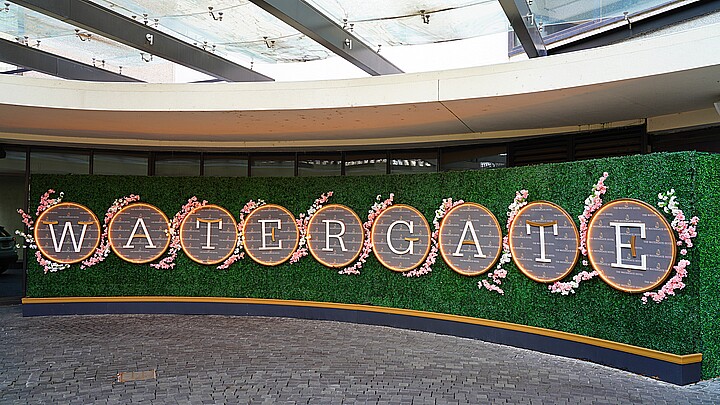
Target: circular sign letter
{"points": [[208, 234], [335, 235], [67, 233], [270, 234], [139, 233], [631, 245], [400, 238], [470, 239], [544, 242]]}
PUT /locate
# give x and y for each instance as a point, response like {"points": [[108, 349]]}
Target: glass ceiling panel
{"points": [[57, 37], [245, 34], [404, 22], [557, 15]]}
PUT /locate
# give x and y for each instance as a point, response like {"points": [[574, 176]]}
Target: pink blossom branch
{"points": [[499, 274], [168, 262], [377, 208]]}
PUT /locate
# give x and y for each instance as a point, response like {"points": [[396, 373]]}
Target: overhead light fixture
{"points": [[717, 106], [212, 14], [269, 43], [83, 35], [425, 16]]}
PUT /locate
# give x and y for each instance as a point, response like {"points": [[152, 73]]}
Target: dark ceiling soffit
{"points": [[314, 24], [15, 71], [635, 28], [54, 65], [522, 22], [92, 17]]}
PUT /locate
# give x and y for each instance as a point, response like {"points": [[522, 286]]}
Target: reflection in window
{"points": [[413, 162], [365, 163], [59, 162], [13, 161], [279, 165], [225, 165], [473, 158], [177, 164], [320, 164], [117, 164]]}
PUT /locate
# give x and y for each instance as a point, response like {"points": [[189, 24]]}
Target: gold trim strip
{"points": [[640, 351]]}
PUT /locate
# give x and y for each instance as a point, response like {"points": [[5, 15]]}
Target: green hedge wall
{"points": [[682, 324]]}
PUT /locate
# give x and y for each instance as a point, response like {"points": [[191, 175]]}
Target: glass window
{"points": [[473, 158], [117, 164], [177, 164], [365, 163], [13, 196], [225, 165], [413, 162], [59, 162], [320, 164], [278, 165], [12, 161]]}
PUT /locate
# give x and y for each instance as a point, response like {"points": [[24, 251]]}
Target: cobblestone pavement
{"points": [[220, 359]]}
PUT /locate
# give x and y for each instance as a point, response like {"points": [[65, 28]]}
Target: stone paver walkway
{"points": [[220, 359]]}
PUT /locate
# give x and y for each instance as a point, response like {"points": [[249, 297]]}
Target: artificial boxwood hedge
{"points": [[683, 324]]}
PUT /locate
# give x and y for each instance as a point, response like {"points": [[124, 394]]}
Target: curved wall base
{"points": [[667, 367]]}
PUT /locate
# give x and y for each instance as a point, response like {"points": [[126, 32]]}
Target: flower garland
{"points": [[377, 208], [103, 249], [45, 203], [239, 253], [686, 231], [303, 222], [168, 262], [426, 267], [500, 273], [592, 203]]}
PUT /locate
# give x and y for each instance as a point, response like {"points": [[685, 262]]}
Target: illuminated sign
{"points": [[400, 237], [631, 245], [139, 233], [270, 234], [67, 233], [208, 234], [470, 239], [544, 242], [335, 236]]}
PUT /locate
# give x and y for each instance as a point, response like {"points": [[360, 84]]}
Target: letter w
{"points": [[68, 228]]}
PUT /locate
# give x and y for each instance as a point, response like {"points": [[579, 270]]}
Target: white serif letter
{"points": [[619, 245], [68, 228], [389, 240], [145, 234], [528, 224], [271, 233], [209, 222], [338, 236], [469, 228]]}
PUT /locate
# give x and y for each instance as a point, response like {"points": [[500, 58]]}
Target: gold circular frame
{"points": [[668, 228], [167, 233], [294, 222], [424, 221], [309, 239], [525, 271], [72, 204], [500, 238], [182, 241]]}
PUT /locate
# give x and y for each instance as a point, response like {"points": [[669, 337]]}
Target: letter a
{"points": [[476, 242]]}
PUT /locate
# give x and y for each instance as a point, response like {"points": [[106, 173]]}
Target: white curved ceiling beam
{"points": [[633, 80]]}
